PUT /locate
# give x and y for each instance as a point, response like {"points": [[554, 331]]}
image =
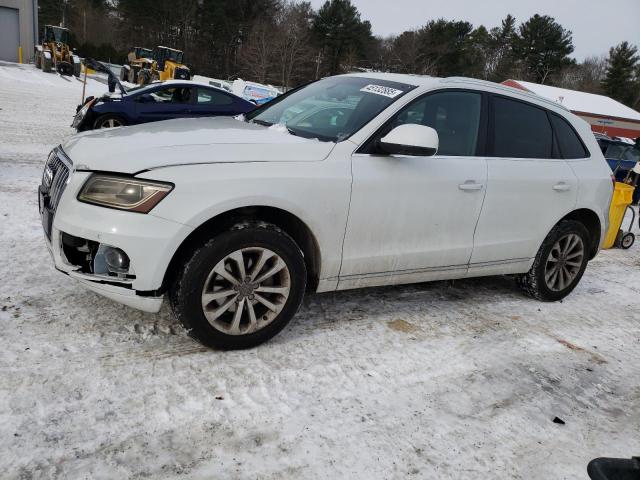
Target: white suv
{"points": [[351, 181]]}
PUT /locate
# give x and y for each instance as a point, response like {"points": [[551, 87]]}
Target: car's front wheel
{"points": [[109, 121], [240, 288], [559, 264]]}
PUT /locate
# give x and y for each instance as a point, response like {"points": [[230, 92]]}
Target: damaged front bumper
{"points": [[149, 242], [117, 289]]}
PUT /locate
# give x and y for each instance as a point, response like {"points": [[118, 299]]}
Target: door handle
{"points": [[470, 185], [562, 187]]}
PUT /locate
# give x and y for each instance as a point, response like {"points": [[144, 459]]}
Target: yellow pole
{"points": [[20, 54]]}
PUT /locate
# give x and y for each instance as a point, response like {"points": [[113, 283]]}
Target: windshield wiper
{"points": [[261, 122]]}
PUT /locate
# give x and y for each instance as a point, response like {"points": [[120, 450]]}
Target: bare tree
{"points": [[292, 39], [256, 53]]}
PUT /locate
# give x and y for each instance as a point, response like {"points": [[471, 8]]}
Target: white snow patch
{"points": [[443, 380]]}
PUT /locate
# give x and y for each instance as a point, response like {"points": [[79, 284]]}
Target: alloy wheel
{"points": [[245, 291], [564, 262], [111, 123]]}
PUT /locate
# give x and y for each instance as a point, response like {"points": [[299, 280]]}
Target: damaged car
{"points": [[352, 181], [155, 102]]}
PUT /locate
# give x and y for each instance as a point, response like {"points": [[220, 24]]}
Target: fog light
{"points": [[110, 261], [116, 259]]}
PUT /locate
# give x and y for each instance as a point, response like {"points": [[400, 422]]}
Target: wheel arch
{"points": [[592, 223], [288, 222]]}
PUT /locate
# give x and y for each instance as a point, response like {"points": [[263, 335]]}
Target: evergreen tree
{"points": [[621, 80], [444, 47], [543, 46], [502, 59], [340, 32]]}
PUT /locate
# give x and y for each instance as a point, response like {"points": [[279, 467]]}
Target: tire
{"points": [[549, 287], [628, 240], [46, 63], [109, 121], [197, 279], [65, 68]]}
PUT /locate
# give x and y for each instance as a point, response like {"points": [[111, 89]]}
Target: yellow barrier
{"points": [[19, 54], [89, 71], [622, 197]]}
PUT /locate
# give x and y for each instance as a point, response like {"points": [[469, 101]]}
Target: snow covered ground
{"points": [[442, 380]]}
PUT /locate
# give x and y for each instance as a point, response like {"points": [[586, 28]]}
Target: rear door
{"points": [[529, 186], [165, 103]]}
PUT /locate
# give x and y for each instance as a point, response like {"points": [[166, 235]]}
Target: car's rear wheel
{"points": [[559, 264], [240, 288], [109, 121]]}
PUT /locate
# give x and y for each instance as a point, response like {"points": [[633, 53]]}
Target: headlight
{"points": [[123, 193]]}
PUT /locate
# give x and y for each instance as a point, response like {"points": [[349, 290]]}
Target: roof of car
{"points": [[431, 82], [189, 83]]}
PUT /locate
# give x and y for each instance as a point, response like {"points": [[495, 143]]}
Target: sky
{"points": [[596, 25]]}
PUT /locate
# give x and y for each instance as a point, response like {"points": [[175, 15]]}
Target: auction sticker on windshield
{"points": [[380, 90]]}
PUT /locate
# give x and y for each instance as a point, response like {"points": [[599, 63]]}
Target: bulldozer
{"points": [[138, 58], [166, 65], [54, 51]]}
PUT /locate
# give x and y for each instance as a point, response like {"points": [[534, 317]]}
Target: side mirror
{"points": [[410, 139]]}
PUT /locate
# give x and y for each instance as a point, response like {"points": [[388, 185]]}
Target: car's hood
{"points": [[189, 141]]}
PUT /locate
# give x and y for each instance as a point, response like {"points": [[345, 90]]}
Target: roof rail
{"points": [[506, 88]]}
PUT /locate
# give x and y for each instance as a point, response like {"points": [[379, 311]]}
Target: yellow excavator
{"points": [[138, 58], [166, 65], [55, 52]]}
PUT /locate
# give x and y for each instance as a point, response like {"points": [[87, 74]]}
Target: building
{"points": [[18, 29], [604, 114]]}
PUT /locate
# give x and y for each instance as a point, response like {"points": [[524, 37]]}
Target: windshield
{"points": [[621, 151], [174, 55], [331, 109], [60, 35], [145, 53]]}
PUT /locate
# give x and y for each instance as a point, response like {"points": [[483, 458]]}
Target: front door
{"points": [[164, 104], [413, 218]]}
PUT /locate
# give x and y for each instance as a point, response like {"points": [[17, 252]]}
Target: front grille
{"points": [[54, 180], [55, 176]]}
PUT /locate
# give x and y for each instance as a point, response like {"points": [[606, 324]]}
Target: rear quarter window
{"points": [[570, 144]]}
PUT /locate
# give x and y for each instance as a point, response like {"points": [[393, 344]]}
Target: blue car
{"points": [[158, 101]]}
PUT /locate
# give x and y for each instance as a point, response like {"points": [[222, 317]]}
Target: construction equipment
{"points": [[167, 65], [55, 52], [138, 58]]}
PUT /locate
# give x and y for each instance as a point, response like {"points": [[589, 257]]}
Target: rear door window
{"points": [[520, 130], [570, 144], [211, 97]]}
